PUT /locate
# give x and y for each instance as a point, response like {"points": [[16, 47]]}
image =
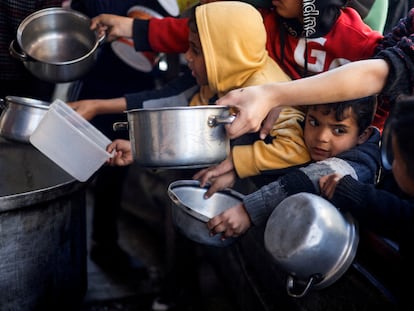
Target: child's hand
{"points": [[113, 25], [123, 152], [231, 223], [328, 184], [86, 108], [219, 177]]}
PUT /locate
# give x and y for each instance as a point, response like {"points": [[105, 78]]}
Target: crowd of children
{"points": [[318, 38]]}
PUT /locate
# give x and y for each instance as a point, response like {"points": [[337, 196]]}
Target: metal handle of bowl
{"points": [[120, 126], [14, 53], [290, 286], [217, 120], [101, 38]]}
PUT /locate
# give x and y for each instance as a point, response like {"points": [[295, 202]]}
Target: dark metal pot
{"points": [[57, 44], [43, 232], [20, 116], [178, 137], [311, 240], [192, 212]]}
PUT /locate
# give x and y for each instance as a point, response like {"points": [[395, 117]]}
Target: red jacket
{"points": [[350, 39]]}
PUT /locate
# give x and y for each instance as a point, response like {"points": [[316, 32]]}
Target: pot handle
{"points": [[14, 53], [213, 121], [120, 126], [102, 38], [290, 286]]}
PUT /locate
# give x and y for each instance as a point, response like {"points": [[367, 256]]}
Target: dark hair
{"points": [[363, 108], [192, 22], [401, 122]]}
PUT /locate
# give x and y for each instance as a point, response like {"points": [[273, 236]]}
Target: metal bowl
{"points": [[311, 240], [191, 211]]}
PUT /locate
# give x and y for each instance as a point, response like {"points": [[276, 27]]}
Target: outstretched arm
{"points": [[350, 81], [114, 26]]}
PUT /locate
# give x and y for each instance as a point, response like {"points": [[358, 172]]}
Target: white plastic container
{"points": [[70, 141]]}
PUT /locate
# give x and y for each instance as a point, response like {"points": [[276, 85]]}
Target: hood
{"points": [[318, 18], [233, 39]]}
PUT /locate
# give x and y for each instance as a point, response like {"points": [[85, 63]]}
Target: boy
{"points": [[389, 210], [225, 54], [339, 137]]}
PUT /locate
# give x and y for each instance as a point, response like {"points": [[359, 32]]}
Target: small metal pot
{"points": [[192, 212], [57, 44], [178, 137], [311, 240], [20, 117]]}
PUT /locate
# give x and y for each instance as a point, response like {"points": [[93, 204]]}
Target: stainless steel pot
{"points": [[20, 117], [311, 240], [43, 258], [178, 137], [191, 211], [56, 44]]}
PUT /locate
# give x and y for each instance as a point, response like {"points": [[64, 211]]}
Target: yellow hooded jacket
{"points": [[233, 39]]}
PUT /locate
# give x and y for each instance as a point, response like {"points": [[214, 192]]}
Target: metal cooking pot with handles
{"points": [[178, 137], [56, 44], [311, 240], [20, 116]]}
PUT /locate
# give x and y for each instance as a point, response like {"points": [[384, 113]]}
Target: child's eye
{"points": [[313, 122], [339, 131]]}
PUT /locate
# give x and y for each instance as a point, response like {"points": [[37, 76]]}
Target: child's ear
{"points": [[365, 135]]}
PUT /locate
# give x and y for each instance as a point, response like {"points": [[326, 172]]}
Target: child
{"points": [[391, 73], [339, 138], [387, 211], [225, 54]]}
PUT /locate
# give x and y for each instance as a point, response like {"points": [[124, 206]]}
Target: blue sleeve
{"points": [[177, 92]]}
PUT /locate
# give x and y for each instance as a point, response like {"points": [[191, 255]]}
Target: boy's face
{"points": [[289, 8], [195, 59], [326, 137], [400, 171]]}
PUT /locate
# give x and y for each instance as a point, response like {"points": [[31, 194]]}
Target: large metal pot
{"points": [[178, 137], [43, 259], [311, 240], [57, 44], [20, 116], [191, 211]]}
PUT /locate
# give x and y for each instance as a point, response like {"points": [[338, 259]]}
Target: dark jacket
{"points": [[362, 162], [397, 49]]}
